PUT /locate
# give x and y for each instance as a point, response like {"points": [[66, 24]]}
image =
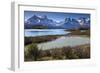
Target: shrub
{"points": [[32, 52]]}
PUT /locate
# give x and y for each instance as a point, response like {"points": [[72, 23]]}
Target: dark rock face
{"points": [[68, 23]]}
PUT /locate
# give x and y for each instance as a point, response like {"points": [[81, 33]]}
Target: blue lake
{"points": [[44, 32]]}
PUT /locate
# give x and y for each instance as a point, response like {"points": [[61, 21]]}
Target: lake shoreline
{"points": [[44, 32], [64, 41], [47, 38], [77, 52]]}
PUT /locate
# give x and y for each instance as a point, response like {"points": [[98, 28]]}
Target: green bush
{"points": [[70, 54], [32, 52]]}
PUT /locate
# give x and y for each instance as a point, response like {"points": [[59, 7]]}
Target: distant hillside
{"points": [[43, 22]]}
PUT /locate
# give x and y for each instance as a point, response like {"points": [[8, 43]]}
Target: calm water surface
{"points": [[44, 32], [64, 42]]}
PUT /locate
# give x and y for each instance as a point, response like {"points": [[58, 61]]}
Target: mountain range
{"points": [[68, 23]]}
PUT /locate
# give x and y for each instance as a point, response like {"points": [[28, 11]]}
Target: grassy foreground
{"points": [[77, 52]]}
